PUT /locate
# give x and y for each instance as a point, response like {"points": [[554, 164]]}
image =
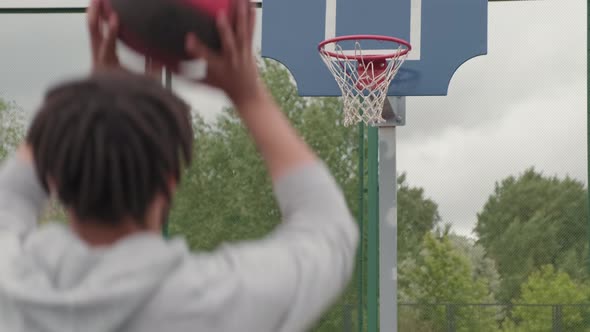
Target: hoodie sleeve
{"points": [[297, 272], [21, 196]]}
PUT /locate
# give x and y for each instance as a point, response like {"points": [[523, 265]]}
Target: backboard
{"points": [[43, 4], [443, 33]]}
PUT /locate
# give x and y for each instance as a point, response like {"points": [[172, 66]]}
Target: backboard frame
{"points": [[43, 6], [54, 6]]}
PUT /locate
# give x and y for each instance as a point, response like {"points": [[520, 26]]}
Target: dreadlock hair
{"points": [[110, 143]]}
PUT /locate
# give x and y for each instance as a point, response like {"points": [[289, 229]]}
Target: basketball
{"points": [[158, 28]]}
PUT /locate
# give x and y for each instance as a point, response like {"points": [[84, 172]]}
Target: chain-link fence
{"points": [[452, 317], [477, 317]]}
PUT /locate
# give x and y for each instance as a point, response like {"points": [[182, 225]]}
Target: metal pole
{"points": [[361, 215], [451, 318], [167, 79], [588, 147], [373, 234], [168, 85], [149, 71], [557, 318], [388, 215], [387, 230]]}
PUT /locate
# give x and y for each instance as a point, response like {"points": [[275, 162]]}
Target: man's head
{"points": [[111, 147]]}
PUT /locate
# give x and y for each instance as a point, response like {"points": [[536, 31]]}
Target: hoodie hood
{"points": [[60, 284]]}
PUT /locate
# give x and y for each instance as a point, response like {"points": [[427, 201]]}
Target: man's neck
{"points": [[97, 235]]}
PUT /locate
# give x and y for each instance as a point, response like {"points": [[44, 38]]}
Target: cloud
{"points": [[459, 167], [524, 104]]}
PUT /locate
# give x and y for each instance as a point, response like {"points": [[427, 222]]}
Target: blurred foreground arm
{"points": [[293, 275], [21, 196]]}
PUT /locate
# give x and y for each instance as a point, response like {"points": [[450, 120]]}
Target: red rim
{"points": [[369, 57]]}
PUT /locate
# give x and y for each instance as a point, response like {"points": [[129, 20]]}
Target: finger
{"points": [[110, 44], [93, 14], [228, 40], [251, 26], [93, 20], [242, 23]]}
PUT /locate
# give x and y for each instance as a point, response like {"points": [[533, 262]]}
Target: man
{"points": [[111, 147]]}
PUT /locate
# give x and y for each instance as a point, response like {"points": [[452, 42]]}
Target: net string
{"points": [[363, 92]]}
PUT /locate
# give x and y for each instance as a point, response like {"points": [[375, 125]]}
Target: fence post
{"points": [[557, 318], [451, 326]]}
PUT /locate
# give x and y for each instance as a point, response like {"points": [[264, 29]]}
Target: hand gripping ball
{"points": [[158, 28]]}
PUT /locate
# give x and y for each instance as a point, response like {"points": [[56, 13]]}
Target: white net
{"points": [[363, 81]]}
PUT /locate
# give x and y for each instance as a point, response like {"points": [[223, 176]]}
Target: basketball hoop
{"points": [[363, 77]]}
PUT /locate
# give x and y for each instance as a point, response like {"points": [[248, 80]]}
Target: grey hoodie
{"points": [[51, 281]]}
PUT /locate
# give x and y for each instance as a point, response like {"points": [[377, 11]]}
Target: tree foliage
{"points": [[482, 267], [550, 286], [417, 215], [531, 221], [441, 274], [11, 127]]}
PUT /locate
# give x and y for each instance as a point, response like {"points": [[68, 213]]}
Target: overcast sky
{"points": [[522, 105]]}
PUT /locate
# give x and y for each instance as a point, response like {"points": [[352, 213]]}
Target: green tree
{"points": [[549, 286], [11, 127], [531, 221], [417, 215], [483, 267], [439, 275]]}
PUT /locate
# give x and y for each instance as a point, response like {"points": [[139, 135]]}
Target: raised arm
{"points": [[294, 274], [21, 196]]}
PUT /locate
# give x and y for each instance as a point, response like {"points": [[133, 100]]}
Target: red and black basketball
{"points": [[158, 28]]}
